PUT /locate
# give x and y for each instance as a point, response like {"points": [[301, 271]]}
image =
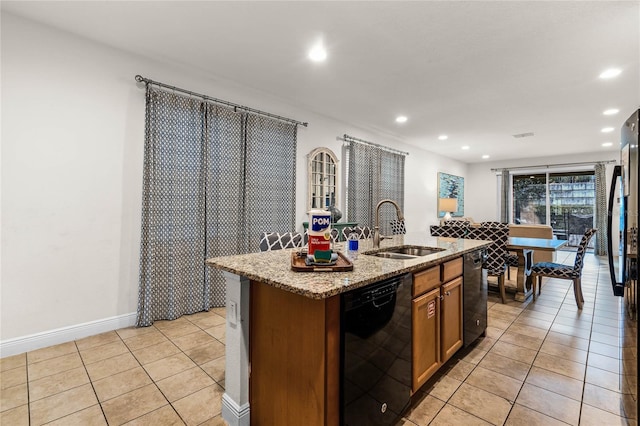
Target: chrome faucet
{"points": [[376, 229]]}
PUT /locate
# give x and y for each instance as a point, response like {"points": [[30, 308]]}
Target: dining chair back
{"points": [[280, 240], [335, 236], [567, 272], [511, 258], [490, 224], [363, 232], [397, 227], [457, 222], [449, 231], [496, 252]]}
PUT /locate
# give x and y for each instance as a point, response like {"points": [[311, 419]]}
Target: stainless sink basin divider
{"points": [[390, 255], [405, 252]]}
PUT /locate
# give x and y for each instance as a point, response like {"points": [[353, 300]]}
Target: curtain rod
{"points": [[140, 79], [548, 166], [347, 138]]}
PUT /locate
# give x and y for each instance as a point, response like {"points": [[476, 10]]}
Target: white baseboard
{"points": [[235, 414], [32, 342]]}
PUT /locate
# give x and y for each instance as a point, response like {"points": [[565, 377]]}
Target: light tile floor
{"points": [[542, 363], [171, 373]]}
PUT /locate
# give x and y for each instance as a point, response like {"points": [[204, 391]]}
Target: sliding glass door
{"points": [[530, 199], [566, 201], [572, 201]]}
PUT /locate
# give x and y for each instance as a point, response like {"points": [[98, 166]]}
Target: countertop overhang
{"points": [[274, 267]]}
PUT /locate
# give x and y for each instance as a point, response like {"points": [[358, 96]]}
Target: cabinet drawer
{"points": [[451, 269], [426, 280]]}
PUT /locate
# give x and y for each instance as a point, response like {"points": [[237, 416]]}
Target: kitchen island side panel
{"points": [[294, 358]]}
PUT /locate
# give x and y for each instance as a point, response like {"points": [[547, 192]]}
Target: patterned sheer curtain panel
{"points": [[270, 178], [373, 174], [505, 196], [198, 198], [224, 195]]}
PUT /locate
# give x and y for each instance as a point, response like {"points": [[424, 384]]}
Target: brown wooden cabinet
{"points": [[425, 320], [295, 358], [451, 318], [294, 347], [436, 319]]}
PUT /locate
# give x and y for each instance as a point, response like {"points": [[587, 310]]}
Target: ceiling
{"points": [[476, 71]]}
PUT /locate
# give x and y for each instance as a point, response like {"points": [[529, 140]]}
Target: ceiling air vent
{"points": [[523, 135]]}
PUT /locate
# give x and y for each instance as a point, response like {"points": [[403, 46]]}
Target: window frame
{"points": [[324, 154]]}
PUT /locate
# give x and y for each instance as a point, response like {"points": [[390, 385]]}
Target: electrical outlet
{"points": [[232, 313]]}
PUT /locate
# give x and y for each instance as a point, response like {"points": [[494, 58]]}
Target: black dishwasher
{"points": [[375, 376], [474, 296]]}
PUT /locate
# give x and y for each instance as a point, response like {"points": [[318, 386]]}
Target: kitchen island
{"points": [[283, 327]]}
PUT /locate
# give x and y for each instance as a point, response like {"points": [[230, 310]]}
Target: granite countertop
{"points": [[274, 267]]}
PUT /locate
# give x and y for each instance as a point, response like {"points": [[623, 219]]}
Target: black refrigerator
{"points": [[623, 230], [622, 226]]}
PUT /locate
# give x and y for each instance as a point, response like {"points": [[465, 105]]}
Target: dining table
{"points": [[524, 248]]}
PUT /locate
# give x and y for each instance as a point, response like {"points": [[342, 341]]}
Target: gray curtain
{"points": [[224, 195], [204, 195], [601, 209], [373, 174], [505, 196], [270, 178]]}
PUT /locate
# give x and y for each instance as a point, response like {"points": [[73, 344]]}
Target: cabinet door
{"points": [[425, 337], [451, 307]]}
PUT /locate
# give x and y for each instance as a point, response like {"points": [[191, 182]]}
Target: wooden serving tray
{"points": [[342, 264]]}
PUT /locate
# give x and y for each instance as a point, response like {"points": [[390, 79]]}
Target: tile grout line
{"points": [[153, 380], [478, 364], [528, 371], [104, 415], [537, 352], [584, 381], [621, 317], [181, 351], [91, 381], [26, 367]]}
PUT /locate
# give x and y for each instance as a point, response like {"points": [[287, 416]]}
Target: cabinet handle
{"points": [[441, 297], [448, 293]]}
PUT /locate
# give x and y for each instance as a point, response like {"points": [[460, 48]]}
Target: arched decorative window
{"points": [[323, 179]]}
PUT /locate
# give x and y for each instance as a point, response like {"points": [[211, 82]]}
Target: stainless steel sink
{"points": [[415, 250], [392, 255], [405, 252]]}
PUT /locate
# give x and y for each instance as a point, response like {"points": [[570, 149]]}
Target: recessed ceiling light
{"points": [[318, 53], [485, 156], [607, 129], [611, 111], [401, 119], [610, 73], [607, 144], [443, 137], [465, 147]]}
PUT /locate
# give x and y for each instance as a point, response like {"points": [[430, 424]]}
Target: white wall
{"points": [[71, 180], [482, 193], [72, 154]]}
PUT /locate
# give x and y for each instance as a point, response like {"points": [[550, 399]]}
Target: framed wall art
{"points": [[451, 186]]}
